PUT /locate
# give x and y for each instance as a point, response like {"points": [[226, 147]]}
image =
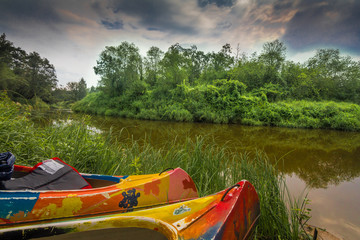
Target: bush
{"points": [[148, 114], [177, 113], [111, 112], [345, 121]]}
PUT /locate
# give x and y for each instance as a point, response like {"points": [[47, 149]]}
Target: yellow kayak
{"points": [[229, 214]]}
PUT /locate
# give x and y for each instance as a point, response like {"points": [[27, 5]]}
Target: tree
{"points": [[218, 64], [273, 54], [273, 57], [173, 68], [41, 76], [12, 60], [81, 93], [26, 75], [119, 67], [76, 90], [152, 65], [11, 55], [195, 63], [250, 71], [338, 77]]}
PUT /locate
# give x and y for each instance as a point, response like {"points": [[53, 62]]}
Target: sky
{"points": [[72, 33]]}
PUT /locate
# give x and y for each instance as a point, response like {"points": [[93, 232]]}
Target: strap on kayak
{"points": [[227, 191], [166, 170]]}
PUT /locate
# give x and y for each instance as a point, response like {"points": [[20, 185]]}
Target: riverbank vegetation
{"points": [[212, 168], [186, 84]]}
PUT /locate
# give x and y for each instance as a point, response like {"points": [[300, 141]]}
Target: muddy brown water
{"points": [[324, 163]]}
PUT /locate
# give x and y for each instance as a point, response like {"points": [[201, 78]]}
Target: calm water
{"points": [[326, 163]]}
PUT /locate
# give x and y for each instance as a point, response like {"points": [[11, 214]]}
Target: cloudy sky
{"points": [[72, 33]]}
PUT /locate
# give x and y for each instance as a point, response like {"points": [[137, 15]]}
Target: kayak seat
{"points": [[98, 183], [51, 174]]}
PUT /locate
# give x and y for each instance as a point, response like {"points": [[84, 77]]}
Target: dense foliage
{"points": [[27, 77], [186, 84]]}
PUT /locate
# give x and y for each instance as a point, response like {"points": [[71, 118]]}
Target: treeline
{"points": [[27, 77], [186, 84]]}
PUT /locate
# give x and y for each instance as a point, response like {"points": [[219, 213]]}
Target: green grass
{"points": [[212, 167]]}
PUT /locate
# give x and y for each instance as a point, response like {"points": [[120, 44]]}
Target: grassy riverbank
{"points": [[213, 168], [204, 104]]}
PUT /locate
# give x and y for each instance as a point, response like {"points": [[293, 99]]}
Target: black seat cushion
{"points": [[51, 174]]}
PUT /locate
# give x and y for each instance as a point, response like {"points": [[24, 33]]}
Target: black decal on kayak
{"points": [[129, 200]]}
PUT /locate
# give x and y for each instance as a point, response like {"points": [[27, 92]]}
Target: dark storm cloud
{"points": [[283, 5], [112, 25], [160, 14], [224, 25], [264, 20], [219, 3], [325, 23], [29, 10], [153, 29]]}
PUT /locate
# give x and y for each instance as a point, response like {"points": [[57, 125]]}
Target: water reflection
{"points": [[319, 157], [336, 208]]}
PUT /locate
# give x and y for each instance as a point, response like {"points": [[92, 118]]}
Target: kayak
{"points": [[230, 214], [26, 198]]}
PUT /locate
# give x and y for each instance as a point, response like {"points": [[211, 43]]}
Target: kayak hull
{"points": [[229, 214]]}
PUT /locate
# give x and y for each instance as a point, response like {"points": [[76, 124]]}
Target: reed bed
{"points": [[212, 167]]}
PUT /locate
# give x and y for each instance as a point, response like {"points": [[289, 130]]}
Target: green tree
{"points": [[152, 65], [25, 75], [76, 90], [173, 68], [41, 76], [12, 60], [219, 64], [119, 67], [250, 71], [195, 63], [81, 93], [273, 57], [273, 54], [61, 94], [338, 77]]}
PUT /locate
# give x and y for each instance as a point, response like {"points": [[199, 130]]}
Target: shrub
{"points": [[148, 114], [177, 113]]}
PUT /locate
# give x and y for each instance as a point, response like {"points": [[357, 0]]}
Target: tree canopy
{"points": [[119, 67], [25, 74]]}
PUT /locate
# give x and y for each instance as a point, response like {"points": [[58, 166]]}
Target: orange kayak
{"points": [[107, 194], [230, 214]]}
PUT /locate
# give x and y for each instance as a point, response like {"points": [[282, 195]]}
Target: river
{"points": [[324, 163]]}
